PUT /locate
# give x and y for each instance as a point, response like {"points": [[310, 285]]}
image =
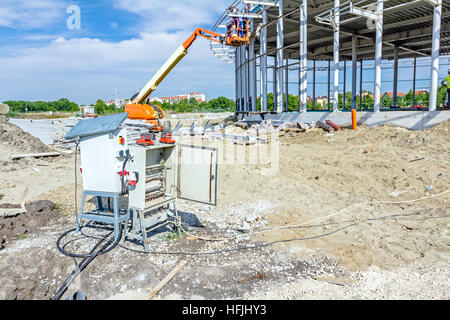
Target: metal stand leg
{"points": [[125, 228], [176, 215], [100, 204], [116, 219], [80, 212], [143, 231]]}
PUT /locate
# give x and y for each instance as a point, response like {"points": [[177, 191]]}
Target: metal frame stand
{"points": [[141, 225], [103, 215]]}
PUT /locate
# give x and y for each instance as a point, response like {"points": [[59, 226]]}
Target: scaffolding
{"points": [[287, 35]]}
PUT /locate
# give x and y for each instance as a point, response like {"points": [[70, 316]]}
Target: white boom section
{"points": [[160, 75]]}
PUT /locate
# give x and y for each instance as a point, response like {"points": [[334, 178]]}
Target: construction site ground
{"points": [[370, 210]]}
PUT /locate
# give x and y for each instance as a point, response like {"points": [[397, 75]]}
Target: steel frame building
{"points": [[292, 32]]}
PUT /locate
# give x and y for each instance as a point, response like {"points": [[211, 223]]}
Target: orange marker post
{"points": [[354, 122]]}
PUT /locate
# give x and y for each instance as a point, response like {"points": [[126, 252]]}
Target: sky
{"points": [[120, 44]]}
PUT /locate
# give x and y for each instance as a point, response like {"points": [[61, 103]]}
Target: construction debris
{"points": [[337, 281], [324, 126], [260, 275], [35, 155], [334, 125], [371, 146], [166, 279], [12, 212]]}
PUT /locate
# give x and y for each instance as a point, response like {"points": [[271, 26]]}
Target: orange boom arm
{"points": [[210, 35], [136, 109]]}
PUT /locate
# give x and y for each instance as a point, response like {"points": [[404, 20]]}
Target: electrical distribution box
{"points": [[164, 172], [161, 173], [102, 159]]}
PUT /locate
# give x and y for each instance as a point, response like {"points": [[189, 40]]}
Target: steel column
{"points": [[247, 79], [252, 71], [345, 80], [360, 84], [279, 61], [263, 62], [274, 84], [303, 58], [314, 86], [354, 67], [243, 80], [329, 84], [435, 55], [336, 19], [394, 90], [236, 80], [286, 85], [414, 83], [378, 55]]}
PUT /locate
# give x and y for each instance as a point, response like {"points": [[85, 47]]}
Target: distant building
{"points": [[322, 100], [421, 92], [121, 103], [87, 109], [199, 97], [400, 94]]}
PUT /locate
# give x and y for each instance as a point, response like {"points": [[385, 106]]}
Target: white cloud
{"points": [[86, 69], [175, 14], [30, 14]]}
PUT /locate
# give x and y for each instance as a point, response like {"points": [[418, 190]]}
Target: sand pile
{"points": [[321, 173], [15, 141]]}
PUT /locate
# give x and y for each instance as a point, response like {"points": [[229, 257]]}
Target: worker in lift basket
{"points": [[447, 79]]}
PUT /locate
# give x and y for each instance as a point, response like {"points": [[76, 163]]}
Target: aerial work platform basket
{"points": [[238, 32]]}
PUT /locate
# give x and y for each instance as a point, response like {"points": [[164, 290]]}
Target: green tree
{"points": [[222, 104], [100, 107], [442, 96]]}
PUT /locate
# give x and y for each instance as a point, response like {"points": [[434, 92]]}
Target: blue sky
{"points": [[119, 46]]}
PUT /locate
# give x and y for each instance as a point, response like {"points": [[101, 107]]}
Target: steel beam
{"points": [[262, 3]]}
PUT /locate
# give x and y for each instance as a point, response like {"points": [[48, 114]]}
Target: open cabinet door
{"points": [[197, 173]]}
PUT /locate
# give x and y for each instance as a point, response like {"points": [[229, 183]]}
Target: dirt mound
{"points": [[39, 214], [14, 140]]}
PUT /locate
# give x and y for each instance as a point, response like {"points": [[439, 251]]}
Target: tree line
{"points": [[367, 101], [220, 104], [223, 104]]}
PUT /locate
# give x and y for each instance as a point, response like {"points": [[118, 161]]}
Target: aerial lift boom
{"points": [[137, 110]]}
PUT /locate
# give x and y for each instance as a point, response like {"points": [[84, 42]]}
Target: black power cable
{"points": [[87, 258], [262, 245]]}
